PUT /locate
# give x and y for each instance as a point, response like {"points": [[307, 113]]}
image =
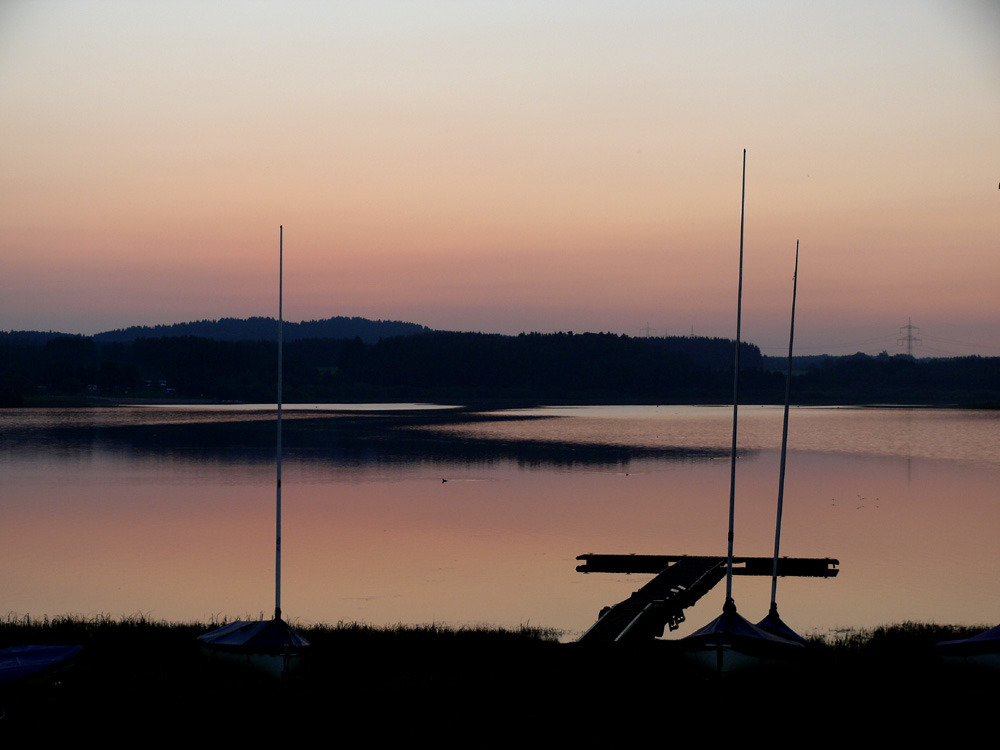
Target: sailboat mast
{"points": [[277, 528], [736, 397], [784, 438]]}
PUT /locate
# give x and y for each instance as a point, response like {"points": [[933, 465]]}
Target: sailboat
{"points": [[731, 642], [773, 623], [270, 646]]}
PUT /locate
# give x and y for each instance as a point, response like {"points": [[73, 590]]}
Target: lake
{"points": [[418, 515]]}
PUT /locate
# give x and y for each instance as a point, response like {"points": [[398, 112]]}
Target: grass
{"points": [[140, 675]]}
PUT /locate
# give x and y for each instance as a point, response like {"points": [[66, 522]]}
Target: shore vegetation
{"points": [[421, 680]]}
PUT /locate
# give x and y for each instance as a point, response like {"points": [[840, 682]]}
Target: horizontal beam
{"points": [[806, 567]]}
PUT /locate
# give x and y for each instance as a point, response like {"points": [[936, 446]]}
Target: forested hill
{"points": [[266, 329]]}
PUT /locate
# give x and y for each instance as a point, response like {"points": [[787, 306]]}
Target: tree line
{"points": [[559, 367], [470, 367]]}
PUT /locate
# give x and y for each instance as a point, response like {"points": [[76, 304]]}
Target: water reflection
{"points": [[173, 514], [337, 437]]}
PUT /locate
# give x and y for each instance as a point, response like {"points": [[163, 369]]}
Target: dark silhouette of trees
{"points": [[471, 367]]}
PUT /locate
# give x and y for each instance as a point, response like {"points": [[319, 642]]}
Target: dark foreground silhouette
{"points": [[138, 680]]}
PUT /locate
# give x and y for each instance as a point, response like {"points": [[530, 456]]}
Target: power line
{"points": [[955, 342], [911, 338], [908, 338]]}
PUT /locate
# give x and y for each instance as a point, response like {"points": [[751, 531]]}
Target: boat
{"points": [[731, 642], [980, 651], [269, 646], [772, 622], [20, 664]]}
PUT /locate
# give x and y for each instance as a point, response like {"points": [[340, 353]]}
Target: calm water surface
{"points": [[170, 512]]}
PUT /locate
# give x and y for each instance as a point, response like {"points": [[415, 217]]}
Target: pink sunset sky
{"points": [[506, 166]]}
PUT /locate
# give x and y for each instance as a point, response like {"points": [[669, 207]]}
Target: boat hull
{"points": [[271, 647], [277, 665], [986, 662], [726, 658]]}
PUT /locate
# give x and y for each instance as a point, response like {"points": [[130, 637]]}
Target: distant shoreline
{"points": [[465, 368], [90, 402]]}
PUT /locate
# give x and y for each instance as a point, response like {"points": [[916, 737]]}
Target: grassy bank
{"points": [[138, 674]]}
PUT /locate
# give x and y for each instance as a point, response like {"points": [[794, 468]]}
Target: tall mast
{"points": [[730, 604], [784, 440], [277, 528]]}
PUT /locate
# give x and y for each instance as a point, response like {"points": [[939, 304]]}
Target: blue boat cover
{"points": [[731, 629], [774, 625], [984, 643], [20, 662], [255, 635]]}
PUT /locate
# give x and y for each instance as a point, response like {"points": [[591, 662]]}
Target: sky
{"points": [[507, 167]]}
